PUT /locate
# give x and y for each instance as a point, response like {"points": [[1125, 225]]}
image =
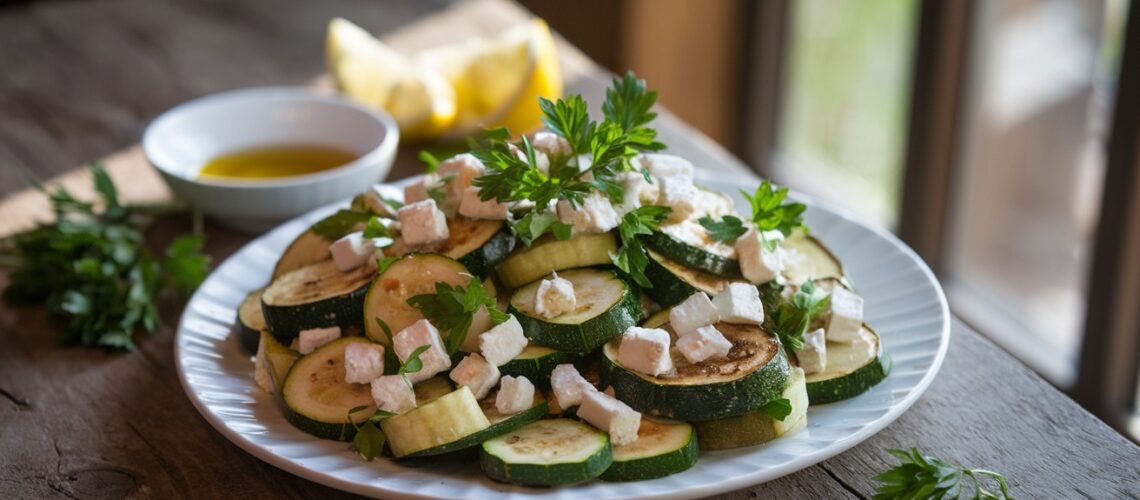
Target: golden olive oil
{"points": [[275, 161]]}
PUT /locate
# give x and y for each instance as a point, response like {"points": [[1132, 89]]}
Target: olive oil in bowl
{"points": [[274, 162]]}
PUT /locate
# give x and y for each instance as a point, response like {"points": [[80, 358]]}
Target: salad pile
{"points": [[570, 304]]}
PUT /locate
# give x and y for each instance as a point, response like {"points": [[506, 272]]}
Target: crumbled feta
{"points": [[758, 263], [464, 168], [740, 303], [422, 222], [515, 394], [417, 191], [568, 385], [679, 193], [608, 414], [638, 192], [645, 350], [363, 361], [352, 251], [664, 165], [595, 215], [813, 355], [704, 343], [552, 144], [696, 311], [434, 359], [476, 374], [503, 341], [309, 340], [378, 196], [846, 316], [554, 297], [475, 208], [393, 393]]}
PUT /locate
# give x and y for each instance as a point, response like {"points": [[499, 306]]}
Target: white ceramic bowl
{"points": [[180, 142]]}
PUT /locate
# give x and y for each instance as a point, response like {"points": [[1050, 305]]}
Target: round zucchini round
{"points": [[757, 427], [806, 258], [479, 245], [315, 296], [444, 420], [414, 274], [536, 362], [547, 453], [549, 254], [755, 371], [662, 449], [317, 398], [250, 321], [674, 282], [606, 307], [851, 369], [307, 249], [688, 243]]}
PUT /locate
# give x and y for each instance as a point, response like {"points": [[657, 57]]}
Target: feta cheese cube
{"points": [[463, 168], [352, 251], [696, 311], [541, 160], [434, 359], [568, 385], [515, 394], [554, 297], [393, 393], [846, 316], [638, 192], [740, 303], [552, 144], [422, 223], [475, 208], [595, 215], [503, 341], [378, 196], [610, 415], [363, 362], [417, 191], [664, 165], [476, 374], [309, 340], [645, 350], [813, 355], [758, 263], [705, 343], [678, 193]]}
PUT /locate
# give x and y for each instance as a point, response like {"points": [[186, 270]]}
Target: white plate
{"points": [[904, 303]]}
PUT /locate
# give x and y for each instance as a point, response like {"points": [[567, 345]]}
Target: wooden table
{"points": [[80, 80]]}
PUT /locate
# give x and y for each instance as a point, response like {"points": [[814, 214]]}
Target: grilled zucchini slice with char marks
{"points": [[606, 306], [547, 453], [317, 398], [315, 296], [479, 245]]}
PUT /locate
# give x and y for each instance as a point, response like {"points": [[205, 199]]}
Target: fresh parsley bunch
{"points": [[769, 212], [791, 319], [91, 267], [924, 476]]}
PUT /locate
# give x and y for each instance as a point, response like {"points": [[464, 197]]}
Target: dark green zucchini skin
{"points": [[482, 261], [286, 322], [537, 370], [536, 412], [698, 402], [546, 475], [248, 337], [588, 336], [691, 256], [655, 467], [850, 385], [668, 289]]}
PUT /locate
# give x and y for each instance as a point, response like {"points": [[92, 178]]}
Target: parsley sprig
{"points": [[792, 318], [631, 257], [727, 230], [770, 212], [339, 224], [451, 309], [91, 267], [778, 408], [925, 476]]}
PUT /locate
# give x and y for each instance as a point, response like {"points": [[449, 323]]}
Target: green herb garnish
{"points": [[792, 318], [376, 229], [728, 230], [924, 476], [92, 268], [451, 309], [631, 257], [770, 212], [369, 439], [343, 222], [778, 409]]}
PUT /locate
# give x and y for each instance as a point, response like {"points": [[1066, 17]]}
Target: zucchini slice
{"points": [[688, 243], [549, 254], [806, 258], [757, 427], [307, 249], [662, 448], [659, 318], [317, 399], [250, 321], [272, 363], [432, 389], [851, 369], [446, 419], [606, 306], [536, 362], [674, 282], [414, 274], [477, 244], [755, 371], [315, 296], [547, 453], [500, 424]]}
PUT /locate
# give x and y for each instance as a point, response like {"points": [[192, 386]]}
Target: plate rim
{"points": [[728, 485]]}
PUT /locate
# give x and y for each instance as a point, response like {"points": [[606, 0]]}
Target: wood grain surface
{"points": [[80, 80]]}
